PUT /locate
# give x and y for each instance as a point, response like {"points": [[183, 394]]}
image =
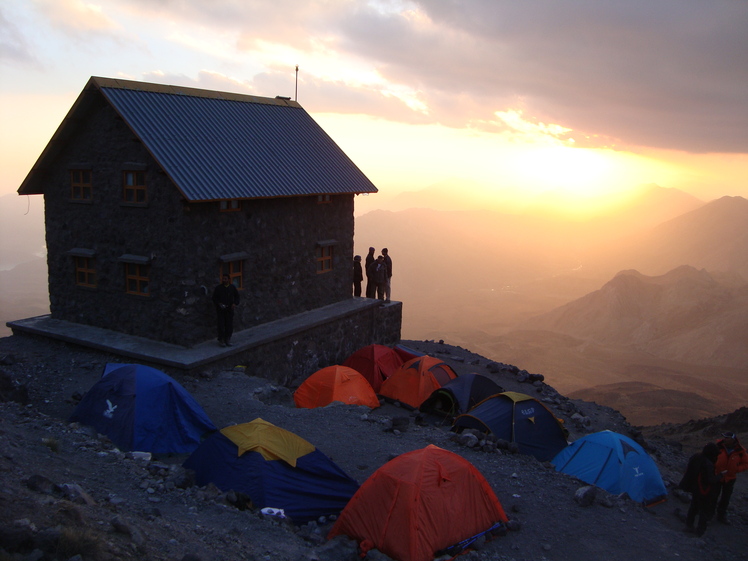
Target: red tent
{"points": [[418, 504], [414, 381], [375, 362], [335, 383]]}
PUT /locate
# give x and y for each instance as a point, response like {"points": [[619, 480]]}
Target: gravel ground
{"points": [[66, 491]]}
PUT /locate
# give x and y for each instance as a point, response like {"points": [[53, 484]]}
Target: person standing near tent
{"points": [[225, 298], [388, 262], [371, 287], [703, 483], [732, 459], [358, 275]]}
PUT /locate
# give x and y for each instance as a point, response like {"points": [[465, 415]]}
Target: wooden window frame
{"points": [[140, 275], [324, 258], [235, 270], [324, 199], [137, 189], [230, 205], [81, 185], [85, 271]]}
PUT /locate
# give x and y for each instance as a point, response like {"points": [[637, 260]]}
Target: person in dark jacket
{"points": [[731, 460], [703, 484], [377, 273], [358, 275], [388, 262], [225, 298], [371, 286]]}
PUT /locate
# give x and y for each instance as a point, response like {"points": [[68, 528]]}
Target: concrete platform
{"points": [[190, 358]]}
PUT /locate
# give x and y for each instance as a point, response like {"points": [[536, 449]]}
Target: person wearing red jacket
{"points": [[732, 459]]}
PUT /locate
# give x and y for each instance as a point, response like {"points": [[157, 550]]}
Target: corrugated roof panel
{"points": [[216, 148]]}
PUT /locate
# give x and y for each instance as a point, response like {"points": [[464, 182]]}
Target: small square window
{"points": [[324, 258], [230, 205], [234, 270], [137, 279], [323, 199], [85, 271], [134, 189], [80, 185]]}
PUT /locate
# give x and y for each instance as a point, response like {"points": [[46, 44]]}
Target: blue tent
{"points": [[275, 468], [460, 395], [141, 408], [518, 418], [615, 463]]}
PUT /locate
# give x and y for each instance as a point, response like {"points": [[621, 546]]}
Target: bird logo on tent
{"points": [[109, 412]]}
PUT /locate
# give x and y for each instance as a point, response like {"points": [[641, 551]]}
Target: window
{"points": [[134, 187], [234, 270], [324, 258], [80, 184], [85, 271], [323, 199], [137, 278], [230, 205]]}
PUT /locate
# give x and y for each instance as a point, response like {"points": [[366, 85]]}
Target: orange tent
{"points": [[375, 362], [414, 381], [418, 504], [335, 383]]}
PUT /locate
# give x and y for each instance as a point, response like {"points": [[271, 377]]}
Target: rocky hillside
{"points": [[685, 314], [69, 494]]}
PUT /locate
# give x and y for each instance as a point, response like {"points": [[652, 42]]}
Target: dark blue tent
{"points": [[275, 468], [518, 418], [141, 408], [460, 395], [615, 463]]}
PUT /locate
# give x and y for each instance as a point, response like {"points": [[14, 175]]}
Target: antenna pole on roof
{"points": [[296, 93]]}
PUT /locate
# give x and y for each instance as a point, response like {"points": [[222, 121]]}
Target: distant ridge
{"points": [[685, 314], [713, 236]]}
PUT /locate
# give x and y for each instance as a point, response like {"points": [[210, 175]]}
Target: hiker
{"points": [[388, 262], [377, 272], [732, 459], [358, 275], [701, 481], [371, 287], [225, 298]]}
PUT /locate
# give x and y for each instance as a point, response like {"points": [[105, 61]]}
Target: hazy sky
{"points": [[582, 97]]}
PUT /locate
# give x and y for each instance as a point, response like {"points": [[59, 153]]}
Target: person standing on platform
{"points": [[358, 275], [225, 298], [371, 287], [388, 262]]}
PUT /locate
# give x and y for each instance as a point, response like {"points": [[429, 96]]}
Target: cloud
{"points": [[14, 49], [77, 18], [666, 74]]}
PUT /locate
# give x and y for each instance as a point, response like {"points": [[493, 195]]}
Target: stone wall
{"points": [[183, 243], [289, 360]]}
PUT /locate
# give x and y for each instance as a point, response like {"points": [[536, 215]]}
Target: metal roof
{"points": [[217, 145]]}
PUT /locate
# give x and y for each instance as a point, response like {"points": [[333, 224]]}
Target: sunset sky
{"points": [[582, 99]]}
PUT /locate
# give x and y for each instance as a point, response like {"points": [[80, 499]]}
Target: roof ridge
{"points": [[121, 84]]}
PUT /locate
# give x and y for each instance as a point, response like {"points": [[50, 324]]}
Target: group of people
{"points": [[710, 478], [378, 275]]}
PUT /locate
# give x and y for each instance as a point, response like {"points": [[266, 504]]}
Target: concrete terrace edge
{"points": [[208, 352]]}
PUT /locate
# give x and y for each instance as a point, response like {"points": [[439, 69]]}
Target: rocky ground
{"points": [[68, 494]]}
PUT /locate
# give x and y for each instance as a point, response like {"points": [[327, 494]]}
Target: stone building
{"points": [[152, 192]]}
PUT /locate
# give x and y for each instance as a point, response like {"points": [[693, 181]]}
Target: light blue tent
{"points": [[141, 408], [615, 463]]}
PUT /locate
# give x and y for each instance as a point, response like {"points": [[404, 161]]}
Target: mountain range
{"points": [[647, 301]]}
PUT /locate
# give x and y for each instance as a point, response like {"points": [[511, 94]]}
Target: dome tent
{"points": [[275, 468], [141, 408], [460, 395], [416, 379], [518, 418], [335, 383], [613, 462], [376, 363], [420, 503]]}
